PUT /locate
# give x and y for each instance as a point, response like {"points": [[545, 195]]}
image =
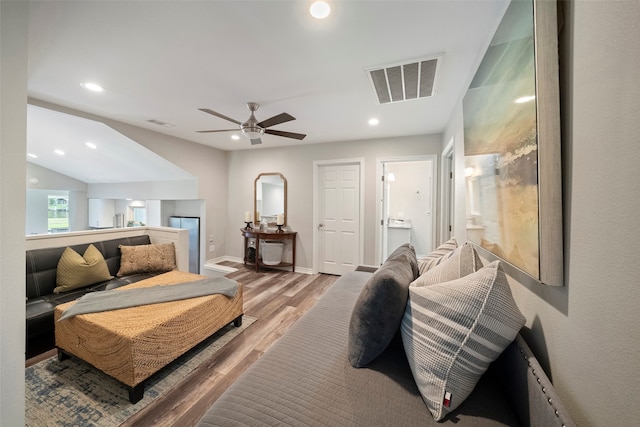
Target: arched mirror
{"points": [[270, 198]]}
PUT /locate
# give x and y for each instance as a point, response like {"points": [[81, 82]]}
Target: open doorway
{"points": [[407, 191], [447, 194]]}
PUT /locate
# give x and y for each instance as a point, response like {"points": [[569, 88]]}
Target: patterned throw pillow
{"points": [[154, 258], [452, 331], [434, 258], [76, 271], [459, 263]]}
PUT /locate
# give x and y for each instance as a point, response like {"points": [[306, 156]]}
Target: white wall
{"points": [[296, 164], [41, 180], [160, 190], [13, 125], [586, 333], [37, 204]]}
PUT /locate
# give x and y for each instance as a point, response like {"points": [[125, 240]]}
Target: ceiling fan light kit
{"points": [[253, 129], [250, 128]]}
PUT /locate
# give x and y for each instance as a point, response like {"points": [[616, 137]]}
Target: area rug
{"points": [[73, 393]]}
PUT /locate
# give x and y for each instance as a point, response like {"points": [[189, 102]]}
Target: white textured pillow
{"points": [[434, 258], [459, 263], [452, 331]]}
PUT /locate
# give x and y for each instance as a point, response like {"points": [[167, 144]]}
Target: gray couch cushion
{"points": [[378, 311]]}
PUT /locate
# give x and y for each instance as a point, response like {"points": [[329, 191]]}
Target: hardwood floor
{"points": [[276, 299]]}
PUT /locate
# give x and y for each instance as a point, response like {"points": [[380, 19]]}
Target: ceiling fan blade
{"points": [[222, 116], [285, 134], [219, 130], [276, 120], [256, 141]]}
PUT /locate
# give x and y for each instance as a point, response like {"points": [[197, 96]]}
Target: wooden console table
{"points": [[268, 235]]}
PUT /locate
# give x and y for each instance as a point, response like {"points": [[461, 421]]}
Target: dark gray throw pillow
{"points": [[406, 253], [378, 311]]}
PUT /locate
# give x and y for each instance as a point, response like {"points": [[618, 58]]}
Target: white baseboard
{"points": [[212, 264], [224, 258]]}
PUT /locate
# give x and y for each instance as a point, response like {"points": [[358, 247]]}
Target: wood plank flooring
{"points": [[277, 299]]}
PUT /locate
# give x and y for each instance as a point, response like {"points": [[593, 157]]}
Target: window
{"points": [[58, 214], [138, 215]]}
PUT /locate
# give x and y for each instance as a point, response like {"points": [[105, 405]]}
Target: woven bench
{"points": [[132, 344]]}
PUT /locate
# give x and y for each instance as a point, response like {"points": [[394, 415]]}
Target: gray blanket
{"points": [[117, 299]]}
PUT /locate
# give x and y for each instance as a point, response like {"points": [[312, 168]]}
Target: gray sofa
{"points": [[41, 273], [306, 379]]}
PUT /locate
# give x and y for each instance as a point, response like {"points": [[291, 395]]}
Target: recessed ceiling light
{"points": [[374, 121], [320, 10], [524, 99], [91, 145], [93, 87], [33, 156], [235, 137], [59, 152]]}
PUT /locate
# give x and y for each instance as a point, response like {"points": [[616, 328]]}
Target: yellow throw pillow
{"points": [[154, 258], [75, 271]]}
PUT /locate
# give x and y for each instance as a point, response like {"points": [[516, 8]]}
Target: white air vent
{"points": [[404, 81]]}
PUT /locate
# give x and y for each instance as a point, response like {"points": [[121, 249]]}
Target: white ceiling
{"points": [[115, 158], [165, 60]]}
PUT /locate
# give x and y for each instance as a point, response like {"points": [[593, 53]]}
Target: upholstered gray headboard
{"points": [[529, 389]]}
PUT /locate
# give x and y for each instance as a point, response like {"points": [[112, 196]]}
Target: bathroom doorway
{"points": [[407, 195]]}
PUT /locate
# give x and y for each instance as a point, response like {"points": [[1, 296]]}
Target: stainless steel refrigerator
{"points": [[191, 223]]}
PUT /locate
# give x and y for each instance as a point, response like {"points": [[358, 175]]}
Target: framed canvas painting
{"points": [[512, 144]]}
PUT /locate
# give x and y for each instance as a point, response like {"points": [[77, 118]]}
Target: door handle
{"points": [[320, 226]]}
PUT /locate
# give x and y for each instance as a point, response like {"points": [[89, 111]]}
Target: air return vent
{"points": [[405, 81]]}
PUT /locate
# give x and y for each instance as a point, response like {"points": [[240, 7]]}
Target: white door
{"points": [[339, 214]]}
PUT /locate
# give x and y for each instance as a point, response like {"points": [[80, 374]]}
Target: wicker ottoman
{"points": [[132, 344]]}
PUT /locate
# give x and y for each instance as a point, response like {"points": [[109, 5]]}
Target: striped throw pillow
{"points": [[459, 263], [434, 258], [452, 331]]}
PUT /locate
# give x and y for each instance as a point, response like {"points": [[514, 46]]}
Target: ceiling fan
{"points": [[253, 129]]}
